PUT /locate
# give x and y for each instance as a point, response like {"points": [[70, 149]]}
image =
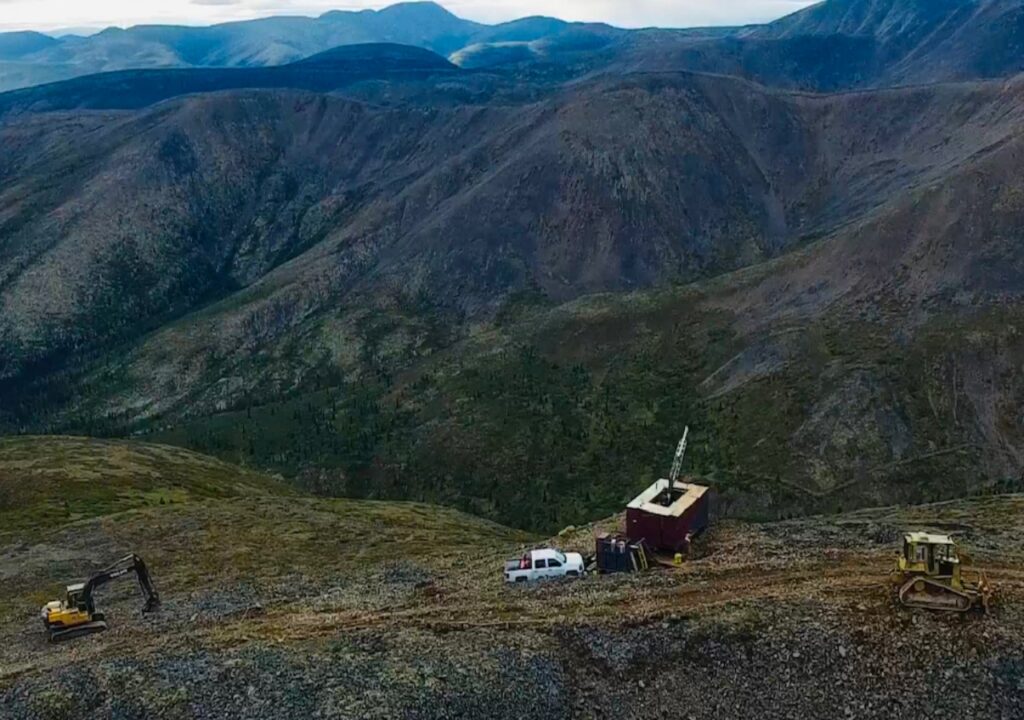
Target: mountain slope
{"points": [[518, 197], [16, 45], [846, 44], [535, 39], [50, 482], [286, 255], [227, 201], [917, 41], [881, 19]]}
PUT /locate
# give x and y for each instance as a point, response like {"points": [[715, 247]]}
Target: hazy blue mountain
{"points": [[16, 45], [324, 72], [266, 42]]}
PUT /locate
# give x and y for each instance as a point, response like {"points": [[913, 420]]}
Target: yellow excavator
{"points": [[77, 616], [928, 574]]}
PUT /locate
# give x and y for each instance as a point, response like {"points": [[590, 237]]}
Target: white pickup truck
{"points": [[546, 563]]}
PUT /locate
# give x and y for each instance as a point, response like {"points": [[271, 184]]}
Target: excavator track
{"points": [[930, 594], [90, 628]]}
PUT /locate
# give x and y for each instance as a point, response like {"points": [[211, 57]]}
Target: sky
{"points": [[48, 15]]}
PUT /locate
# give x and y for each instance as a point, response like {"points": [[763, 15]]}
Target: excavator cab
{"points": [[929, 575], [76, 597], [76, 615]]}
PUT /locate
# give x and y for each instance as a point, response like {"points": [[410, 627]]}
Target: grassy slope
{"points": [[72, 505], [47, 482]]}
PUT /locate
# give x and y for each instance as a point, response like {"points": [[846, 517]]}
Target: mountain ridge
{"points": [[835, 46], [827, 47], [331, 70]]}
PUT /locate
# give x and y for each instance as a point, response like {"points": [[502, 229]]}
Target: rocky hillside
{"points": [[692, 177], [276, 606], [919, 41]]}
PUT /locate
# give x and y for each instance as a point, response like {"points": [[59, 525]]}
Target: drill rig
{"points": [[77, 616]]}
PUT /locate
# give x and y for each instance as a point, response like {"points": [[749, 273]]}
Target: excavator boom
{"points": [[128, 564]]}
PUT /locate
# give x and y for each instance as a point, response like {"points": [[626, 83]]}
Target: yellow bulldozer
{"points": [[929, 574]]}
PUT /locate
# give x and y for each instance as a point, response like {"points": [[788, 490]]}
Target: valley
{"points": [[812, 247]]}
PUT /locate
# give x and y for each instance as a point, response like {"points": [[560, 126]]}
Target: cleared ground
{"points": [[281, 604]]}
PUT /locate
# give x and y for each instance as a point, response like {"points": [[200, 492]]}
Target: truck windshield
{"points": [[560, 556]]}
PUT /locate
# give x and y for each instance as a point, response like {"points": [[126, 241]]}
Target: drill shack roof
{"points": [[648, 500]]}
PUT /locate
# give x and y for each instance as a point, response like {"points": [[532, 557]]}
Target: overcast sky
{"points": [[53, 14]]}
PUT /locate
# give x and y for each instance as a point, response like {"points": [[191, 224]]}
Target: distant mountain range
{"points": [[335, 69], [506, 286], [832, 46], [29, 58]]}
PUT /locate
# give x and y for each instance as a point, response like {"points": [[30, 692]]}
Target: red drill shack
{"points": [[666, 519]]}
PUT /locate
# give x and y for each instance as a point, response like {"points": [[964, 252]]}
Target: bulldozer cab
{"points": [[928, 554]]}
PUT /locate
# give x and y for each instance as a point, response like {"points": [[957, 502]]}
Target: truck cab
{"points": [[542, 564]]}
